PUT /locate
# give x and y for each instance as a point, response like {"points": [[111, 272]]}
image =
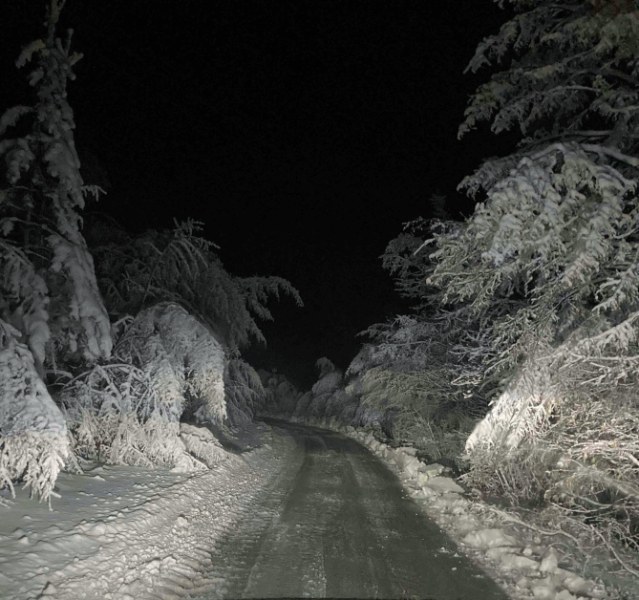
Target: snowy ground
{"points": [[526, 565], [336, 523], [129, 533], [123, 532]]}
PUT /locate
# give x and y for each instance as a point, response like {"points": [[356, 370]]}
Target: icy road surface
{"points": [[336, 523]]}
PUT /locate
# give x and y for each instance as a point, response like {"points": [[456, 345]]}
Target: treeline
{"points": [[107, 341]]}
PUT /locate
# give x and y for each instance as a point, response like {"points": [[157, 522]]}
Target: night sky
{"points": [[302, 133]]}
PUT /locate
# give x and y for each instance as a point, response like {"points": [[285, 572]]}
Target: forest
{"points": [[517, 365]]}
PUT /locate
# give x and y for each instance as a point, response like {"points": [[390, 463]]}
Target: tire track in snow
{"points": [[337, 523]]}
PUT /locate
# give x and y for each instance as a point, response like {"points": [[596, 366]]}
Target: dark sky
{"points": [[303, 133]]}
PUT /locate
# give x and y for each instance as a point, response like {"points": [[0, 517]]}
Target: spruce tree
{"points": [[50, 308]]}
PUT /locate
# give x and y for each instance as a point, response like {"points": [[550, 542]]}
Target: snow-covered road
{"points": [[302, 512], [335, 522]]}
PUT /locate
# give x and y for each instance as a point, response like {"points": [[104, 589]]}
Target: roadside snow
{"points": [[126, 533]]}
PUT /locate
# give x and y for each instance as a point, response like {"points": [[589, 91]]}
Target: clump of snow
{"points": [[489, 538], [443, 485], [202, 444]]}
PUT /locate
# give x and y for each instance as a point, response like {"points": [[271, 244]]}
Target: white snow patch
{"points": [[489, 538]]}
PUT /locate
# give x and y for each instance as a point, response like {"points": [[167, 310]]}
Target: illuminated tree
{"points": [[548, 264]]}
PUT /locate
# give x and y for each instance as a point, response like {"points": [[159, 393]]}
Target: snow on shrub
{"points": [[282, 398], [300, 409], [115, 417], [519, 413], [129, 411], [183, 359], [40, 214], [244, 392], [327, 393], [33, 435], [329, 380]]}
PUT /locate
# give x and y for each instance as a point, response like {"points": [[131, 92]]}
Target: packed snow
{"points": [[523, 561]]}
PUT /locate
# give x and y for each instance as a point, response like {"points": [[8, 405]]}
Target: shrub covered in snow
{"points": [[281, 397], [410, 379], [244, 392], [166, 363]]}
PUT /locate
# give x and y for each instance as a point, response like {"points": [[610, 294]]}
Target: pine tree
{"points": [[51, 295], [549, 260], [50, 306]]}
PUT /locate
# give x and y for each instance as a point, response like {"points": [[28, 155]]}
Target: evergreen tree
{"points": [[547, 267], [549, 260], [535, 297], [50, 306], [49, 291]]}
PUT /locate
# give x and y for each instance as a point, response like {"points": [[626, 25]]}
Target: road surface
{"points": [[336, 523]]}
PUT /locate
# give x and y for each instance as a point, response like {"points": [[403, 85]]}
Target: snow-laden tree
{"points": [[166, 363], [547, 266], [281, 396], [414, 373], [33, 433], [565, 72], [424, 369], [179, 265], [555, 238], [245, 393], [50, 306]]}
